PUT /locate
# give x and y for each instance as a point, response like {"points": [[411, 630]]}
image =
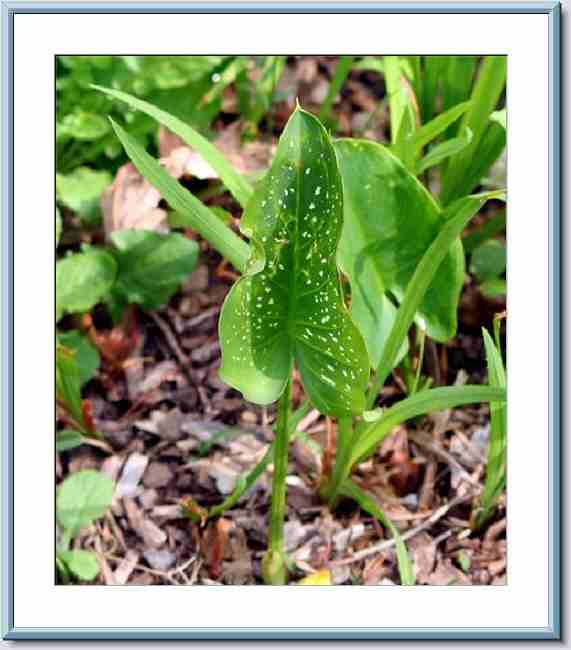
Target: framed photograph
{"points": [[281, 312]]}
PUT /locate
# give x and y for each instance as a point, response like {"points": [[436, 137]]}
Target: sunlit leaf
{"points": [[81, 191], [289, 305], [86, 353], [83, 280], [81, 563], [82, 498]]}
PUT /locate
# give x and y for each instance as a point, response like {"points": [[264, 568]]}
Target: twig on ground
{"points": [[171, 339], [383, 546]]}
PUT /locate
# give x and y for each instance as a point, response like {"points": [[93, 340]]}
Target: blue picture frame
{"points": [[9, 631]]}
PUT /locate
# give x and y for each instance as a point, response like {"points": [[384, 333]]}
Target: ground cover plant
{"points": [[353, 271]]}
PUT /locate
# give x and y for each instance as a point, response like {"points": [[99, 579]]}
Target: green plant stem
{"points": [[342, 457], [341, 72], [273, 566]]}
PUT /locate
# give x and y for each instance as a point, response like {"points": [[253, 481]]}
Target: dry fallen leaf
{"points": [[131, 202]]}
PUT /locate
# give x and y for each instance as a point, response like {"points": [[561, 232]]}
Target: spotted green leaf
{"points": [[289, 307]]}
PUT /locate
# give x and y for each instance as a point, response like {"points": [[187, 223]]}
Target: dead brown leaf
{"points": [[131, 202]]}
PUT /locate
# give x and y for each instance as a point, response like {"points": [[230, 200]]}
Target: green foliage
{"points": [[68, 439], [82, 564], [390, 221], [83, 280], [467, 137], [81, 499], [496, 471], [86, 354], [289, 305], [151, 266], [399, 248], [454, 219], [370, 435], [177, 84], [68, 385], [467, 167], [488, 260], [81, 191]]}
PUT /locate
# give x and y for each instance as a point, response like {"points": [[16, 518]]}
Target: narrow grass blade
{"points": [[236, 184], [496, 466], [427, 401], [203, 221], [341, 73], [398, 92], [368, 503], [485, 95], [455, 219], [438, 125], [443, 151]]}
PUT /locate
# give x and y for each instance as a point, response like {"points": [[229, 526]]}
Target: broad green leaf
{"points": [[236, 184], [455, 218], [289, 305], [86, 354], [459, 177], [181, 200], [152, 266], [81, 192], [485, 231], [368, 503], [496, 467], [68, 439], [488, 260], [82, 564], [390, 221], [427, 401], [82, 498], [494, 288], [84, 126], [430, 131], [68, 383], [83, 280], [444, 150]]}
